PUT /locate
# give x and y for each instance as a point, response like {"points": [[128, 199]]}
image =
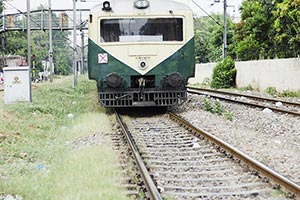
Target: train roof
{"points": [[126, 6]]}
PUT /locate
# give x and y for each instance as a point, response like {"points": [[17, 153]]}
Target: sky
{"points": [[68, 4]]}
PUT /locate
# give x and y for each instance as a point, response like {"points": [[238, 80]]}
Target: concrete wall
{"points": [[202, 73], [283, 74]]}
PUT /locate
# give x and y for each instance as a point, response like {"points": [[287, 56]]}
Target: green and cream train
{"points": [[141, 53]]}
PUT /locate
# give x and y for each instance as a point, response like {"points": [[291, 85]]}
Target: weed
{"points": [[288, 93], [206, 81], [228, 115], [217, 108], [247, 88], [271, 91]]}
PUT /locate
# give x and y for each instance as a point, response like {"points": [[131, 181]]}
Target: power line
{"points": [[206, 13]]}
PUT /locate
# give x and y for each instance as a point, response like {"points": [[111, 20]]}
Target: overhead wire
{"points": [[206, 13]]}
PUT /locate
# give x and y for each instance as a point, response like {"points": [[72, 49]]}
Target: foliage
{"points": [[217, 108], [1, 6], [201, 48], [287, 23], [287, 93], [271, 91], [209, 38], [247, 88], [248, 49], [252, 31], [224, 74], [268, 29], [17, 45]]}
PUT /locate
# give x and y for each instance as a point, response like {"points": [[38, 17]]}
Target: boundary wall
{"points": [[282, 74]]}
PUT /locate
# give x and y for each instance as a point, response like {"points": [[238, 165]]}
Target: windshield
{"points": [[141, 30]]}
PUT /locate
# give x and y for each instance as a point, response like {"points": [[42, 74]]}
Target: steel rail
{"points": [[197, 91], [151, 188], [261, 168], [244, 95]]}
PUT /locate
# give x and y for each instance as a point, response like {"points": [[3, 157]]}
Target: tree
{"points": [[209, 38], [287, 26], [17, 44], [252, 32], [1, 6], [268, 29]]}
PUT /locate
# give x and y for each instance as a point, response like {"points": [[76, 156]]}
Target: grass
{"points": [[217, 108], [39, 155]]}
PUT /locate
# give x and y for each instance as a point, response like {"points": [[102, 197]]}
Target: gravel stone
{"points": [[269, 137]]}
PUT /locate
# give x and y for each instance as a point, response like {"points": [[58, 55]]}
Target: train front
{"points": [[141, 53]]}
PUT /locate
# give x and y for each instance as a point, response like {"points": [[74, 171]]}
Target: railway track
{"points": [[182, 165], [251, 100], [131, 182]]}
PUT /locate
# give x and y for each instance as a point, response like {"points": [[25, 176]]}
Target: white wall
{"points": [[283, 74], [202, 72]]}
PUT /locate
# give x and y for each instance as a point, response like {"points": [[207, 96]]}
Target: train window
{"points": [[141, 30]]}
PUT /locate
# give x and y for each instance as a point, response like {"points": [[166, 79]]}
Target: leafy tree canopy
{"points": [[267, 29]]}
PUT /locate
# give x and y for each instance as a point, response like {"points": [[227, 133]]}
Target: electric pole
{"points": [[50, 42], [225, 31], [28, 35], [74, 45], [29, 48]]}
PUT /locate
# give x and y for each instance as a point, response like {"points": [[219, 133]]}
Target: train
{"points": [[141, 52]]}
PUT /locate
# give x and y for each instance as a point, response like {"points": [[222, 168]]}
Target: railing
{"points": [[61, 20]]}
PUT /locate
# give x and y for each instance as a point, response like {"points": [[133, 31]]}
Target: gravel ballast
{"points": [[269, 137]]}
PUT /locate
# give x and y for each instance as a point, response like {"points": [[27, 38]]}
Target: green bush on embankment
{"points": [[39, 156]]}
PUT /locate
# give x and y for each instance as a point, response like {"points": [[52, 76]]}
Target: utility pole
{"points": [[50, 42], [74, 45], [28, 35], [225, 31], [3, 49], [82, 52], [29, 48]]}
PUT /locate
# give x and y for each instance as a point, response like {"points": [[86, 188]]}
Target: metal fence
{"points": [[61, 20]]}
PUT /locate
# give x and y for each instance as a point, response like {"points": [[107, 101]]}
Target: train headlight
{"points": [[141, 4], [106, 6], [143, 65], [113, 80], [175, 79]]}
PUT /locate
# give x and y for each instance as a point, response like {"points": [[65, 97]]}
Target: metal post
{"points": [[74, 45], [225, 31], [3, 50], [82, 52], [50, 43], [28, 35], [29, 48]]}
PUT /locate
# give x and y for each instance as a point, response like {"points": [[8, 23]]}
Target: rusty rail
{"points": [[196, 90], [151, 188], [285, 183]]}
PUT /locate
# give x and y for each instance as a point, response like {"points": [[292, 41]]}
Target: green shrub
{"points": [[224, 74], [271, 91], [247, 88], [287, 93], [217, 108]]}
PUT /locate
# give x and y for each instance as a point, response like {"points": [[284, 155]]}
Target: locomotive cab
{"points": [[141, 53]]}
